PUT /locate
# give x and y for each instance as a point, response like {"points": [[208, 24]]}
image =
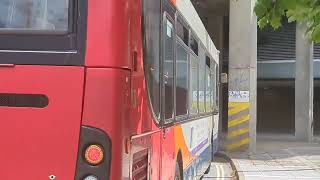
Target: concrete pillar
{"points": [[242, 76], [303, 86]]}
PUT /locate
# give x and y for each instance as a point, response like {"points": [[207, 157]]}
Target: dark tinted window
{"points": [[152, 23], [181, 81], [182, 32], [168, 69], [217, 87], [194, 45], [214, 79], [34, 15], [209, 86]]}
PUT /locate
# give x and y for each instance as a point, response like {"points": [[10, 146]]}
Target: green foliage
{"points": [[301, 11]]}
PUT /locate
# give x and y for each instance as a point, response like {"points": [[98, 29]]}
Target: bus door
{"points": [[167, 139]]}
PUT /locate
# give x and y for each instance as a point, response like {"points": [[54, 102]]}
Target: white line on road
{"points": [[222, 172], [217, 170]]}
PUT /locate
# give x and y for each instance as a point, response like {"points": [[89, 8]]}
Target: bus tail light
{"points": [[94, 154]]}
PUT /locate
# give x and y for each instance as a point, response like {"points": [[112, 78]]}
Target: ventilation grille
{"points": [[140, 165], [23, 100], [277, 44]]}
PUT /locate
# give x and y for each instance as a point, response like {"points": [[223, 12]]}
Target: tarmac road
{"points": [[220, 169]]}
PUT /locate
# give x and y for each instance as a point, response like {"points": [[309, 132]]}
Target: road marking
{"points": [[217, 170], [222, 172]]}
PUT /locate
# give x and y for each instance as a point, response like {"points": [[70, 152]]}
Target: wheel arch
{"points": [[180, 162]]}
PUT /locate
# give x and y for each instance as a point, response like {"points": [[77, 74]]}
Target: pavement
{"points": [[220, 169], [279, 159]]}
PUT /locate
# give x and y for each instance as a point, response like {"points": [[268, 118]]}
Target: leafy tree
{"points": [[301, 11]]}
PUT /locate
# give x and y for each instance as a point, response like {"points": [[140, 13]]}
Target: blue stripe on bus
{"points": [[199, 147], [201, 162]]}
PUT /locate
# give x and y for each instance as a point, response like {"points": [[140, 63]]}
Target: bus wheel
{"points": [[177, 175]]}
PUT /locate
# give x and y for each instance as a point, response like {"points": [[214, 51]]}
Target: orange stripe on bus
{"points": [[181, 145], [174, 2]]}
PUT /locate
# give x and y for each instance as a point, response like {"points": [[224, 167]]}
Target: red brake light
{"points": [[94, 154]]}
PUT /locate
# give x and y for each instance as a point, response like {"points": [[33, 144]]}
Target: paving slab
{"points": [[279, 160]]}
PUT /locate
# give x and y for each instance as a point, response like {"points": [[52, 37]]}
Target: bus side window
{"points": [[194, 45], [194, 76], [168, 69], [182, 32], [202, 77], [181, 80], [214, 88], [194, 85], [217, 76], [209, 86]]}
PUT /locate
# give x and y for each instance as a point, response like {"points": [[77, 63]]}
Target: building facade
{"points": [[282, 90]]}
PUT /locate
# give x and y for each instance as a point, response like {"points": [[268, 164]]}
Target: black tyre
{"points": [[177, 175]]}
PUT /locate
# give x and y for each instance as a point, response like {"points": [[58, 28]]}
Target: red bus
{"points": [[117, 89]]}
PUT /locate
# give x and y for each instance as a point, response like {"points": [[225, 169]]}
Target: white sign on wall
{"points": [[239, 96]]}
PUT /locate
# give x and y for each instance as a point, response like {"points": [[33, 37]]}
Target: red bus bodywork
{"points": [[115, 97], [108, 93]]}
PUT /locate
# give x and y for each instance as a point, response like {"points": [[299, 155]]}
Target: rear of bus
{"points": [[42, 88]]}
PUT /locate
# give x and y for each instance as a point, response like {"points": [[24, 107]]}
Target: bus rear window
{"points": [[34, 15]]}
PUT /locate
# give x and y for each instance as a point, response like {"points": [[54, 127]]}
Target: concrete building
{"points": [[268, 91]]}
